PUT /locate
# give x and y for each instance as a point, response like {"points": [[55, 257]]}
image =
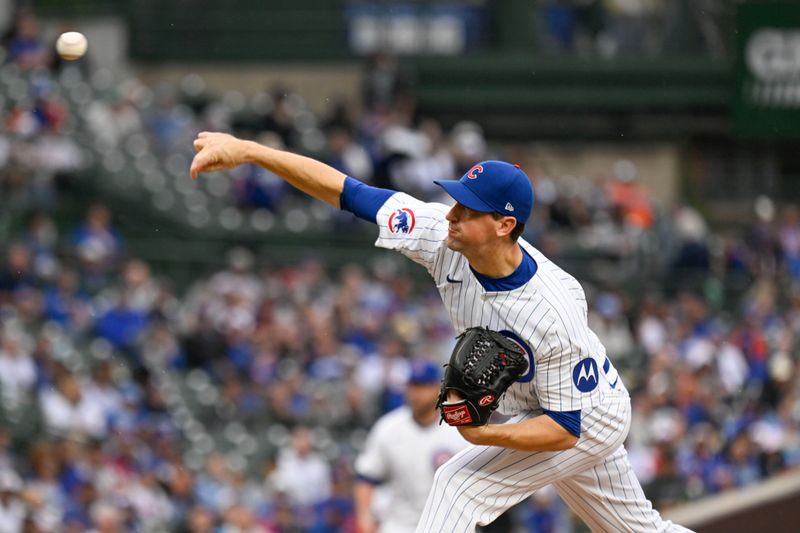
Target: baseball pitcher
{"points": [[570, 410]]}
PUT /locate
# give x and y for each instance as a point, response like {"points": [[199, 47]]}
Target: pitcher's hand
{"points": [[217, 151]]}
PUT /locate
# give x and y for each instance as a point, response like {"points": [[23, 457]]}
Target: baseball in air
{"points": [[71, 45]]}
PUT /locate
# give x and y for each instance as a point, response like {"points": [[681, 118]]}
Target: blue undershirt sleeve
{"points": [[362, 200], [569, 420]]}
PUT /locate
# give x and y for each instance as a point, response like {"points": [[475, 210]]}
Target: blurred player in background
{"points": [[571, 410], [404, 449]]}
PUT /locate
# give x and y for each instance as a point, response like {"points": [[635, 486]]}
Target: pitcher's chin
{"points": [[453, 243]]}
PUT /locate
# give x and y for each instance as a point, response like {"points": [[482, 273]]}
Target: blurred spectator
{"points": [[168, 121], [214, 489], [608, 320], [432, 160], [630, 27], [732, 368], [179, 485], [17, 369], [200, 520], [161, 346], [44, 492], [340, 116], [25, 46], [113, 120], [122, 324], [385, 82], [203, 344], [66, 304], [16, 273], [229, 301], [280, 120], [742, 460], [762, 244], [97, 244], [347, 156], [41, 238], [692, 262], [255, 187], [544, 512], [385, 373], [668, 488], [54, 159], [237, 278], [468, 145], [240, 518], [12, 506], [560, 20], [39, 157], [789, 236], [629, 196], [103, 392], [139, 290], [67, 409], [302, 474], [106, 518]]}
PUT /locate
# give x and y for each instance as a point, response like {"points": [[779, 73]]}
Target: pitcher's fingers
{"points": [[200, 163], [199, 144]]}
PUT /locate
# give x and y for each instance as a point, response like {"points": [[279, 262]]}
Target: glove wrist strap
{"points": [[457, 413]]}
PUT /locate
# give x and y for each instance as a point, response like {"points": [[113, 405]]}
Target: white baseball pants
{"points": [[594, 478]]}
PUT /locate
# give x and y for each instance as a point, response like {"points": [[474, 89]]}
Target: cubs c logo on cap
{"points": [[472, 174]]}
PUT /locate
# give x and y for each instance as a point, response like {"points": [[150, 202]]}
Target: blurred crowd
{"points": [[61, 124], [95, 353], [238, 405], [635, 28], [38, 155]]}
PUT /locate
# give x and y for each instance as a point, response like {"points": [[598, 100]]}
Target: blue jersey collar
{"points": [[522, 275]]}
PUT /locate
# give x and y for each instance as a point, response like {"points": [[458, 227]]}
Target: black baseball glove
{"points": [[482, 366]]}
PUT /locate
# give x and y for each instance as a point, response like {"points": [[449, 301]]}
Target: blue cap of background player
{"points": [[493, 187], [424, 372]]}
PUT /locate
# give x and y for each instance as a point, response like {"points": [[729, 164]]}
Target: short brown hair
{"points": [[518, 229]]}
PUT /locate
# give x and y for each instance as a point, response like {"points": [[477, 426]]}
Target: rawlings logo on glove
{"points": [[482, 366]]}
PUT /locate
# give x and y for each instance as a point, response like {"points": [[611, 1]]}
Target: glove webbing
{"points": [[485, 368]]}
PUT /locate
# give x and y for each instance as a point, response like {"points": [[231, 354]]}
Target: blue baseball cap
{"points": [[424, 372], [493, 187]]}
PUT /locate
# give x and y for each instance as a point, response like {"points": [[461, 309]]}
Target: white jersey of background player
{"points": [[401, 455], [572, 410]]}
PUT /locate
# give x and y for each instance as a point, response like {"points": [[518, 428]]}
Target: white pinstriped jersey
{"points": [[569, 371], [546, 315], [405, 455]]}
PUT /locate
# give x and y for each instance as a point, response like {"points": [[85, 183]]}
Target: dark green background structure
{"points": [[751, 119]]}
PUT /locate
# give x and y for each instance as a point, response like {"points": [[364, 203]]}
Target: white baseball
{"points": [[71, 45]]}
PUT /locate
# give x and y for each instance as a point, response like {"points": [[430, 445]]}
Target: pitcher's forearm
{"points": [[310, 176], [537, 434]]}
